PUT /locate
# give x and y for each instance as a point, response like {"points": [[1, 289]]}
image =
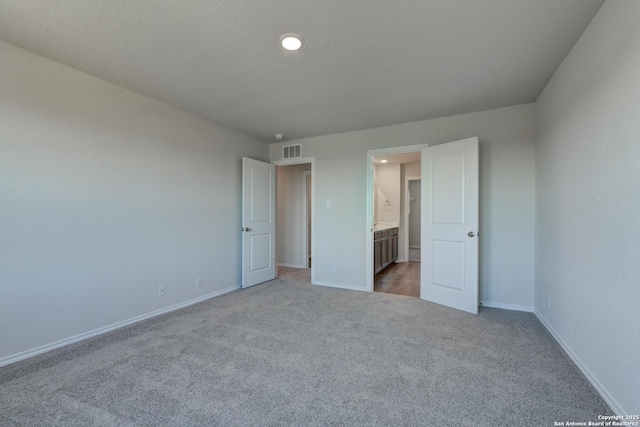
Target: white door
{"points": [[449, 268], [258, 222]]}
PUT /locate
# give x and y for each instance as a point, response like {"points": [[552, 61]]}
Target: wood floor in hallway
{"points": [[400, 279]]}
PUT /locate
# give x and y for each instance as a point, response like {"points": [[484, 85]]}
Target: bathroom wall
{"points": [[414, 214], [387, 197], [406, 170]]}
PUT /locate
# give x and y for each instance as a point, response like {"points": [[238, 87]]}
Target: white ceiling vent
{"points": [[291, 151]]}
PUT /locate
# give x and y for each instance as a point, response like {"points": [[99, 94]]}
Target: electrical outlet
{"points": [[549, 303], [198, 281], [161, 291], [333, 269]]}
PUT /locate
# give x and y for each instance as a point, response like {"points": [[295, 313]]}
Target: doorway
{"points": [[449, 225], [294, 213], [394, 270]]}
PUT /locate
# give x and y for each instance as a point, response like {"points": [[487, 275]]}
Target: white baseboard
{"points": [[513, 307], [340, 286], [90, 334], [281, 264], [604, 393]]}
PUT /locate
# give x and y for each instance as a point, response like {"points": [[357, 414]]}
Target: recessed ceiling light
{"points": [[291, 41], [384, 161]]}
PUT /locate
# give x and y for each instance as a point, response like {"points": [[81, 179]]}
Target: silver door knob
{"points": [[247, 229], [471, 234]]}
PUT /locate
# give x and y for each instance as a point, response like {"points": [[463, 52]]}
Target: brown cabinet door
{"points": [[395, 247], [385, 248], [383, 251]]}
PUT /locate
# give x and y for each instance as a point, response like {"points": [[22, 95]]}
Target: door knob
{"points": [[471, 234], [247, 229]]}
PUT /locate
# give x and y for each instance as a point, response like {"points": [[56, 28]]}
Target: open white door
{"points": [[449, 268], [258, 222]]}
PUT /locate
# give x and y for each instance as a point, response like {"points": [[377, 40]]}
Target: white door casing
{"points": [[258, 222], [307, 216], [450, 196]]}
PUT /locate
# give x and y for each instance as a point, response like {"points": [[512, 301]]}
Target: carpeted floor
{"points": [[288, 353]]}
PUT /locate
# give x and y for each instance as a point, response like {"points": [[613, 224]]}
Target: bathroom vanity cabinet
{"points": [[385, 248]]}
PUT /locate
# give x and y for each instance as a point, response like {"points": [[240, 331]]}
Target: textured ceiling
{"points": [[365, 63]]}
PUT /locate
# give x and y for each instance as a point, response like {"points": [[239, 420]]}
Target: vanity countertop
{"points": [[384, 226]]}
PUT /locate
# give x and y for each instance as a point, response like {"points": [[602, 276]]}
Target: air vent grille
{"points": [[292, 151]]}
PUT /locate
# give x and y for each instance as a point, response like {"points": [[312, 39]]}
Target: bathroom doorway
{"points": [[394, 270], [449, 226]]}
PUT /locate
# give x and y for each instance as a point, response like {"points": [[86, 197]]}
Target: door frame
{"points": [[302, 161], [369, 200], [407, 180], [306, 175]]}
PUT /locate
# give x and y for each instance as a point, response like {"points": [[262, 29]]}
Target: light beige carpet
{"points": [[288, 353]]}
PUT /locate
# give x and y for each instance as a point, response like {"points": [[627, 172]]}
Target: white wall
{"points": [[407, 170], [506, 190], [388, 190], [105, 195], [412, 169], [291, 222], [588, 203], [414, 213]]}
